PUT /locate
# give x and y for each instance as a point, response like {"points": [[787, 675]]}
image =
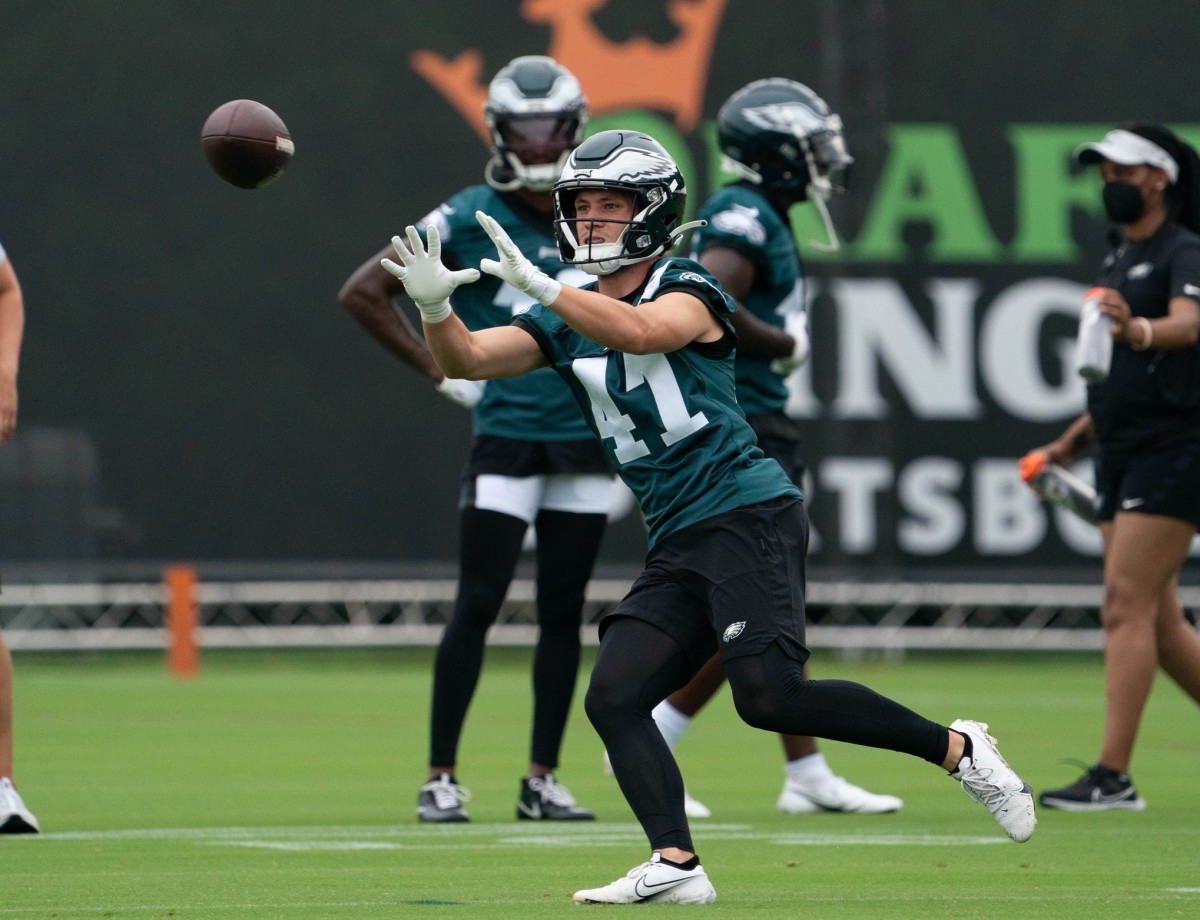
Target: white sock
{"points": [[671, 722], [808, 770]]}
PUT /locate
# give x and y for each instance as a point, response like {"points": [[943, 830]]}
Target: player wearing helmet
{"points": [[647, 350], [535, 113], [785, 146], [533, 460]]}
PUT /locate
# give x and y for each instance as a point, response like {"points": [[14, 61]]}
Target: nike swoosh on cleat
{"points": [[1101, 799], [534, 811], [643, 890]]}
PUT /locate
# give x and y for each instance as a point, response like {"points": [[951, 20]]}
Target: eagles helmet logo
{"points": [[786, 118], [643, 166]]}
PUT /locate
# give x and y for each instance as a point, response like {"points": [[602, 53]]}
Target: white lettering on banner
{"points": [[856, 480], [1009, 519], [936, 520], [1008, 350], [877, 326], [1006, 518]]}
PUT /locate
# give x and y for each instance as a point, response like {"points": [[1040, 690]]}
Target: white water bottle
{"points": [[1093, 347]]}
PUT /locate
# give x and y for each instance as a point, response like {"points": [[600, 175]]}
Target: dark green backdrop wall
{"points": [[191, 389]]}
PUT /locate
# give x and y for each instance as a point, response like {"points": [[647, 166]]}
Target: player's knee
{"points": [[608, 700]]}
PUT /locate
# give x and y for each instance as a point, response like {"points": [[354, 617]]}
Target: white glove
{"points": [[514, 268], [426, 280], [466, 393], [796, 325]]}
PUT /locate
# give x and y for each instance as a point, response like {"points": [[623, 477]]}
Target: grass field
{"points": [[283, 784]]}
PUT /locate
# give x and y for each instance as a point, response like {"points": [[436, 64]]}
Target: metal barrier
{"points": [[846, 616]]}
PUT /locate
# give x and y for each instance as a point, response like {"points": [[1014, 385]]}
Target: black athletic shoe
{"points": [[543, 799], [1099, 789], [441, 800]]}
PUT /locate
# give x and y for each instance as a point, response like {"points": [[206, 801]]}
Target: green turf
{"points": [[282, 784]]}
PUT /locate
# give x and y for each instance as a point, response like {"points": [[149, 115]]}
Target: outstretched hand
{"points": [[513, 267], [426, 280]]}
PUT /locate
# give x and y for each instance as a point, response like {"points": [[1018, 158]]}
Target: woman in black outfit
{"points": [[1145, 418]]}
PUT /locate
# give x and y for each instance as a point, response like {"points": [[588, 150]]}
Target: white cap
{"points": [[1129, 149]]}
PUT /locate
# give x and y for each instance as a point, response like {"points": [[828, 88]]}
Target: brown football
{"points": [[246, 143]]}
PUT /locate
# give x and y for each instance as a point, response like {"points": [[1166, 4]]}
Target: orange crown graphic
{"points": [[614, 75]]}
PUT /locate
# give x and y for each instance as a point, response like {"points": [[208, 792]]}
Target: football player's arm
{"points": [[12, 327], [501, 351], [756, 339], [368, 296], [665, 324]]}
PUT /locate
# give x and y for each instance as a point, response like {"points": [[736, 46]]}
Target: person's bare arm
{"points": [[665, 324], [502, 351], [12, 329], [735, 272], [1071, 443], [368, 296], [1180, 328]]}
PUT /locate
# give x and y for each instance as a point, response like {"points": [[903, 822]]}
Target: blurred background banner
{"points": [[190, 387]]}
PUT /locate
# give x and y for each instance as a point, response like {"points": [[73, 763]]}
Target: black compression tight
{"points": [[567, 546], [489, 548], [639, 665]]}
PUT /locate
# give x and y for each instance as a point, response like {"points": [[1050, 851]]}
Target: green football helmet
{"points": [[779, 134]]}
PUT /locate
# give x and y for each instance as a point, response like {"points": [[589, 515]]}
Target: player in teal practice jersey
{"points": [[533, 460], [785, 146], [648, 352]]}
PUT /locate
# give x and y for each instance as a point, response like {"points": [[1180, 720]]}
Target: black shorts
{"points": [[1164, 481], [509, 457], [779, 437], [733, 583]]}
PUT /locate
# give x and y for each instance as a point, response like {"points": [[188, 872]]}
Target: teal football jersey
{"points": [[670, 424], [741, 219], [535, 407]]}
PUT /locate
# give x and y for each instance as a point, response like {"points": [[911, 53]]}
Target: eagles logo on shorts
{"points": [[733, 630]]}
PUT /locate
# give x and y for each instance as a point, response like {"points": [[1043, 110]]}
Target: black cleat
{"points": [[543, 799], [441, 800]]}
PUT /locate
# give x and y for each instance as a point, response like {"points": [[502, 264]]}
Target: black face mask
{"points": [[1122, 202]]}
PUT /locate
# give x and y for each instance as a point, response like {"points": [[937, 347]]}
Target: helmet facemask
{"points": [[530, 151], [535, 113], [631, 163], [635, 242]]}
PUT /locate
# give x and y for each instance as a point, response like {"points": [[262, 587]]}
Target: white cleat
{"points": [[653, 882], [15, 818], [833, 794], [991, 782], [694, 808]]}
